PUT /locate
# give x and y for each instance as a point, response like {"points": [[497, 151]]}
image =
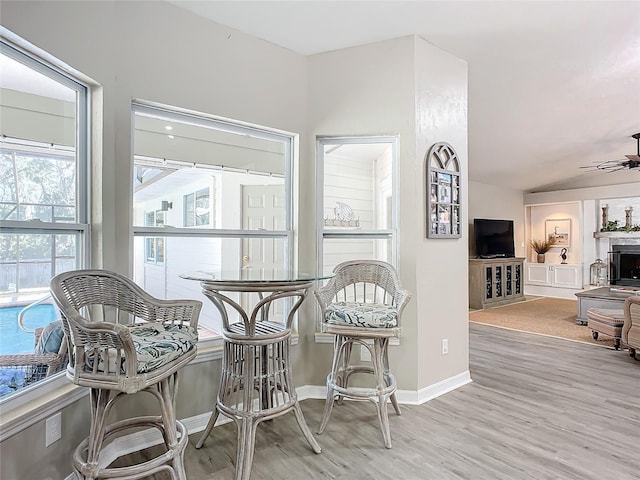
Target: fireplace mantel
{"points": [[630, 235]]}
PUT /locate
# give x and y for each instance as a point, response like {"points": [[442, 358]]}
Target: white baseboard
{"points": [[423, 395], [151, 436]]}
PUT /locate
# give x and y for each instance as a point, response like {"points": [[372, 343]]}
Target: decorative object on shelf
{"points": [[540, 247], [563, 255], [614, 227], [627, 218], [632, 162], [344, 217], [598, 273], [444, 213], [558, 232], [604, 215]]}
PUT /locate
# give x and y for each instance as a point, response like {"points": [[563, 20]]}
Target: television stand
{"points": [[495, 281]]}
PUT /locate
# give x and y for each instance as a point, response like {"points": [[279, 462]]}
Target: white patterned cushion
{"points": [[158, 344], [357, 314]]}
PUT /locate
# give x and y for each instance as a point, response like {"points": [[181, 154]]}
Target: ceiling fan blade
{"points": [[632, 162], [610, 164]]}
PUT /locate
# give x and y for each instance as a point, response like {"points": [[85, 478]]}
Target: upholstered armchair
{"points": [[631, 327]]}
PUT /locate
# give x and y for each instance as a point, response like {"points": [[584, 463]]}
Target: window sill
{"points": [[38, 402]]}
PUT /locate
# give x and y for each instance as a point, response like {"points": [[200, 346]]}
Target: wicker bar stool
{"points": [[257, 382], [362, 305], [121, 340]]}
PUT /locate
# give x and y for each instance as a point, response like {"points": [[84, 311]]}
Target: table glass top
{"points": [[255, 275]]}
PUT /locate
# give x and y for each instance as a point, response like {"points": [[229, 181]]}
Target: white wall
{"points": [[491, 201]]}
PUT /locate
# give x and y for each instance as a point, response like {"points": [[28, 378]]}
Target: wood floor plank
{"points": [[539, 408]]}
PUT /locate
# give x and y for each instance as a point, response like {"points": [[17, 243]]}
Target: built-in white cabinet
{"points": [[554, 275]]}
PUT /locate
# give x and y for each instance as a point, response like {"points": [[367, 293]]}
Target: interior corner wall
{"points": [[492, 201], [441, 265]]}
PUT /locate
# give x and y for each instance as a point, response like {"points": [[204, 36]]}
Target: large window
{"points": [[43, 192], [224, 189], [356, 200]]}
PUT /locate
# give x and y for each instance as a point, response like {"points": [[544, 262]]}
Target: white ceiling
{"points": [[552, 85]]}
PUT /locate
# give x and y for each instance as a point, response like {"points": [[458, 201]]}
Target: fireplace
{"points": [[624, 265]]}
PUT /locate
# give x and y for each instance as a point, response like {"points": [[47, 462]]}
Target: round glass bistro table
{"points": [[256, 381]]}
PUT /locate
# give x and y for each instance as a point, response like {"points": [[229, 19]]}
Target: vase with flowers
{"points": [[540, 247]]}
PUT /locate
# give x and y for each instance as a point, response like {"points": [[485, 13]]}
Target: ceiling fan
{"points": [[633, 161]]}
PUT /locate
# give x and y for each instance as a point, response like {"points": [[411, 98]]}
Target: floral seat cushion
{"points": [[357, 314], [158, 344]]}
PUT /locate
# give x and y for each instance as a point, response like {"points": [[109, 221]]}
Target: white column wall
{"points": [[441, 265]]}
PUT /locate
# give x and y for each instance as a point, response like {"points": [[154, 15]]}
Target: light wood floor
{"points": [[538, 408]]}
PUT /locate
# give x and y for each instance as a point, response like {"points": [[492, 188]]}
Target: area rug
{"points": [[555, 317]]}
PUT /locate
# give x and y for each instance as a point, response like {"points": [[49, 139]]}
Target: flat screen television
{"points": [[493, 238]]}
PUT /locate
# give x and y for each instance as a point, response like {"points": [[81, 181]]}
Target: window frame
{"points": [[17, 49], [290, 143], [81, 226], [391, 233]]}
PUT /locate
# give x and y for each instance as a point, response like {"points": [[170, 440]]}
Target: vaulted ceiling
{"points": [[553, 86]]}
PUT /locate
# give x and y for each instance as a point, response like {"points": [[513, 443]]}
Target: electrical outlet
{"points": [[53, 429], [365, 354], [445, 346]]}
